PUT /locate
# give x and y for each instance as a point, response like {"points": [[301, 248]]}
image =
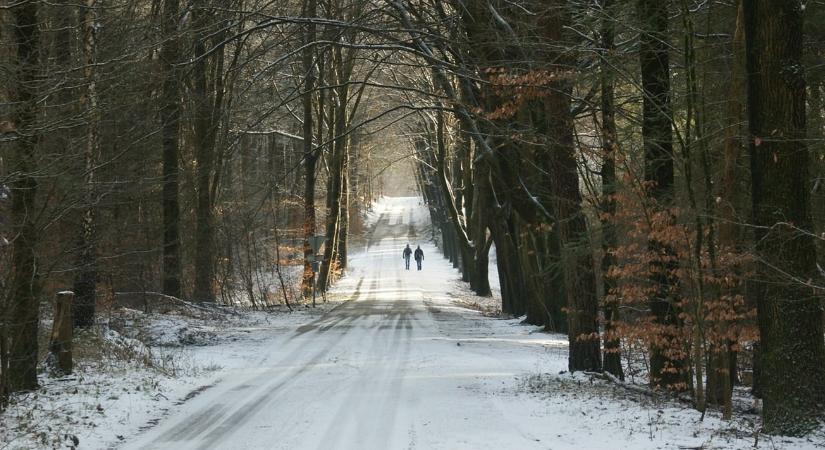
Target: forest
{"points": [[645, 175]]}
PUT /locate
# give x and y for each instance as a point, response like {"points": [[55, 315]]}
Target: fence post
{"points": [[60, 344]]}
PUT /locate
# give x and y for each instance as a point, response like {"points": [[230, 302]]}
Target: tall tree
{"points": [[581, 302], [459, 227], [612, 357], [499, 41], [310, 9], [720, 383], [666, 369], [340, 72], [208, 95], [170, 131], [85, 285], [789, 308], [24, 288]]}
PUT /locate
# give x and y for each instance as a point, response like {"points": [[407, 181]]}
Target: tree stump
{"points": [[60, 345]]}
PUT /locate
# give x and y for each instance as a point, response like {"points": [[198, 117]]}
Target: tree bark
{"points": [[310, 156], [85, 284], [579, 303], [576, 256], [336, 191], [344, 226], [170, 132], [612, 362], [666, 370], [789, 310], [24, 287], [208, 98], [722, 367], [510, 270], [461, 252], [480, 281]]}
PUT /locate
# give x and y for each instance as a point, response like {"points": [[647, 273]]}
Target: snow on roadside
{"points": [[579, 411], [147, 364], [132, 371], [117, 382]]}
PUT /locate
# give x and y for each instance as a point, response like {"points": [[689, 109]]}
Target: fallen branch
{"points": [[630, 387], [212, 307]]}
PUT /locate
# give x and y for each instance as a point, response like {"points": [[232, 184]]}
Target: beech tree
{"points": [[666, 369], [789, 307]]}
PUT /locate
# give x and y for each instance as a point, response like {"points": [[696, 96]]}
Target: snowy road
{"points": [[393, 362], [400, 366], [395, 367]]}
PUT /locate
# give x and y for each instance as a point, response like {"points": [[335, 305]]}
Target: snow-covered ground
{"points": [[392, 362]]}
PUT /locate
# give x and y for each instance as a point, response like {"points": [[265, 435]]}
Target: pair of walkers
{"points": [[419, 256]]}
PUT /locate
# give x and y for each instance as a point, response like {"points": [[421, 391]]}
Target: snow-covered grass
{"points": [[585, 411], [132, 369], [117, 382]]}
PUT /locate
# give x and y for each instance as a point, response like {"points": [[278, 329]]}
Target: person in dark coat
{"points": [[406, 256], [419, 256]]}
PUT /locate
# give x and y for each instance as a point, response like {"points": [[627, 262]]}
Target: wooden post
{"points": [[60, 344]]}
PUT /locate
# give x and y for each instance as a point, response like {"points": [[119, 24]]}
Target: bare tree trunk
{"points": [[576, 257], [85, 285], [310, 156], [336, 169], [789, 310], [569, 239], [461, 248], [4, 359], [24, 288], [480, 283], [170, 123], [612, 349], [722, 370], [511, 274], [208, 101], [665, 371], [344, 226]]}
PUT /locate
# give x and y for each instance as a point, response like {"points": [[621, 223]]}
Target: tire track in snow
{"points": [[220, 422], [315, 323], [350, 408], [351, 312], [360, 422]]}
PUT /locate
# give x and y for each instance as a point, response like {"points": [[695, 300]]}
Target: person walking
{"points": [[406, 256], [419, 256]]}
